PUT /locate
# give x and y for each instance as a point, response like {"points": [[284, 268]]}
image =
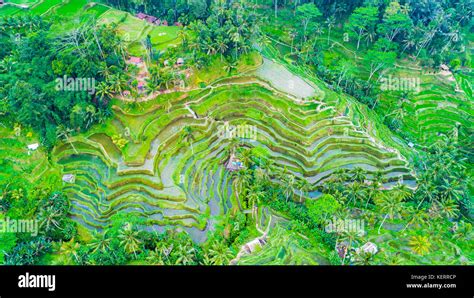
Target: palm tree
{"points": [[393, 259], [390, 205], [117, 83], [50, 219], [402, 191], [187, 137], [221, 46], [63, 132], [417, 217], [104, 90], [219, 253], [355, 192], [358, 174], [261, 175], [451, 190], [426, 189], [330, 24], [151, 86], [341, 175], [448, 208], [129, 239], [241, 180], [304, 186], [245, 156], [155, 257], [254, 195], [105, 70], [100, 242], [194, 46], [230, 66], [69, 251], [420, 244], [185, 254], [184, 36], [289, 185], [351, 236]]}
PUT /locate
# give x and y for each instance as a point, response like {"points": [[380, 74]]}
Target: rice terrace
{"points": [[236, 132]]}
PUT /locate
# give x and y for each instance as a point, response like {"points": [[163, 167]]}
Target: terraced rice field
{"points": [[71, 8], [9, 10], [437, 109], [173, 183], [24, 3], [135, 30], [44, 6]]}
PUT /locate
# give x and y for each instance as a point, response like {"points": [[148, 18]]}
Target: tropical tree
{"points": [[104, 90], [219, 253], [69, 250], [358, 174], [420, 244], [303, 186], [241, 181], [307, 14], [155, 257], [254, 196], [289, 185], [129, 239], [363, 21], [330, 21], [100, 242], [187, 137], [64, 133], [390, 205]]}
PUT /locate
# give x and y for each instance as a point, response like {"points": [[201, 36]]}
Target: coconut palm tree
{"points": [[289, 185], [186, 254], [330, 21], [105, 70], [219, 253], [245, 156], [69, 251], [151, 86], [417, 217], [241, 181], [129, 239], [351, 237], [390, 205], [49, 219], [100, 242], [341, 175], [448, 208], [104, 90], [221, 46], [63, 132], [155, 257], [253, 196], [420, 244], [230, 66], [354, 192], [402, 191], [451, 190], [304, 186], [187, 137], [393, 259], [358, 174]]}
